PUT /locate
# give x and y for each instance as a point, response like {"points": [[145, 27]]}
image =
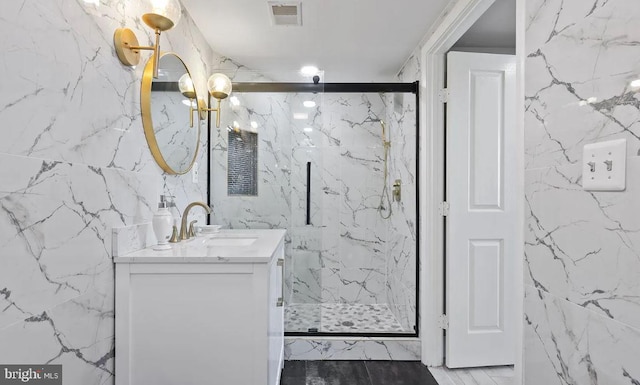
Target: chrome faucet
{"points": [[184, 233]]}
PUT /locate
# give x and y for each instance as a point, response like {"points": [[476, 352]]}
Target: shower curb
{"points": [[352, 348]]}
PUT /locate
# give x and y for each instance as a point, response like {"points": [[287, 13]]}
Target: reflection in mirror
{"points": [[168, 105]]}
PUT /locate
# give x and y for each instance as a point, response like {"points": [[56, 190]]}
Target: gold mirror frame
{"points": [[147, 121]]}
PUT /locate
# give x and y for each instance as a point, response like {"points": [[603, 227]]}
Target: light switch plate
{"points": [[604, 166]]}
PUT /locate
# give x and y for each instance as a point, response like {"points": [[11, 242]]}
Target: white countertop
{"points": [[201, 249]]}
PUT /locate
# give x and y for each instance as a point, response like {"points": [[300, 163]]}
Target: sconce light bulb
{"points": [[185, 84], [162, 14], [219, 86]]}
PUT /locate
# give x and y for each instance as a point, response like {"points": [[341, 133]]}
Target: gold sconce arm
{"points": [[201, 109], [159, 16], [128, 50], [216, 110], [219, 87]]}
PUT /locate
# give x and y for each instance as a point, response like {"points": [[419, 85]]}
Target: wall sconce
{"points": [[161, 15], [187, 89], [220, 88]]}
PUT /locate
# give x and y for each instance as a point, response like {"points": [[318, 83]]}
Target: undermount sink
{"points": [[231, 241]]}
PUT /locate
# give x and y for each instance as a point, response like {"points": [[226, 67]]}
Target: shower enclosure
{"points": [[336, 165]]}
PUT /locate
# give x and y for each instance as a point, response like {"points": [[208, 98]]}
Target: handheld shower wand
{"points": [[384, 211]]}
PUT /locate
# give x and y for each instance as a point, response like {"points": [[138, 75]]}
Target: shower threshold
{"points": [[341, 318]]}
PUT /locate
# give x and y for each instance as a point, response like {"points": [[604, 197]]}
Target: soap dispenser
{"points": [[162, 222]]}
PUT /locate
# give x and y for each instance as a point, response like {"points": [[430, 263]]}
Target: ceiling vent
{"points": [[285, 13]]}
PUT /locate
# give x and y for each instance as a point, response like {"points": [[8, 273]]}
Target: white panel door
{"points": [[481, 224]]}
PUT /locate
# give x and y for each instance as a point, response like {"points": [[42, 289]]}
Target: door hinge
{"points": [[443, 322], [443, 95], [443, 209]]}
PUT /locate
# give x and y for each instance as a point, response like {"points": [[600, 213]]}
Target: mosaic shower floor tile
{"points": [[341, 318]]}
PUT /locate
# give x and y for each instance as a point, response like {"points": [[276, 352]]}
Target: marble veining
{"points": [[127, 239], [74, 163], [582, 305], [303, 348], [597, 232], [80, 166], [567, 345], [169, 115], [402, 234]]}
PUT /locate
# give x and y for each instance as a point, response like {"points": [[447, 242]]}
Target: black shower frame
{"points": [[413, 88]]}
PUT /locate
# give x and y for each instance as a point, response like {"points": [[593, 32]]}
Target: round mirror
{"points": [[170, 114]]}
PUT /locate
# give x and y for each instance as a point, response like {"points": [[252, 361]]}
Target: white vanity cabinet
{"points": [[200, 315]]}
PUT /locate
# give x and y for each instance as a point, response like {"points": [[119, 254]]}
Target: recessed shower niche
{"points": [[242, 163], [327, 156]]}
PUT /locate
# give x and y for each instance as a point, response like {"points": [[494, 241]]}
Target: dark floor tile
{"points": [[337, 373], [399, 373], [318, 381], [294, 369], [293, 381]]}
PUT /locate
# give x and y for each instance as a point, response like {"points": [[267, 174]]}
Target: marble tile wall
{"points": [[271, 208], [341, 257], [352, 349], [582, 259], [74, 163], [312, 245], [402, 233]]}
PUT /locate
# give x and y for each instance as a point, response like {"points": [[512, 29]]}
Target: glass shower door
{"points": [[353, 265], [326, 165]]}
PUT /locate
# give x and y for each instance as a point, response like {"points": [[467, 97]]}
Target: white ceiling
{"points": [[496, 28], [351, 40]]}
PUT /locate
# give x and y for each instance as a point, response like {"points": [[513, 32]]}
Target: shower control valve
{"points": [[397, 190]]}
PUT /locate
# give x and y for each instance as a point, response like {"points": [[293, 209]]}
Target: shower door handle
{"points": [[308, 221], [280, 301]]}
